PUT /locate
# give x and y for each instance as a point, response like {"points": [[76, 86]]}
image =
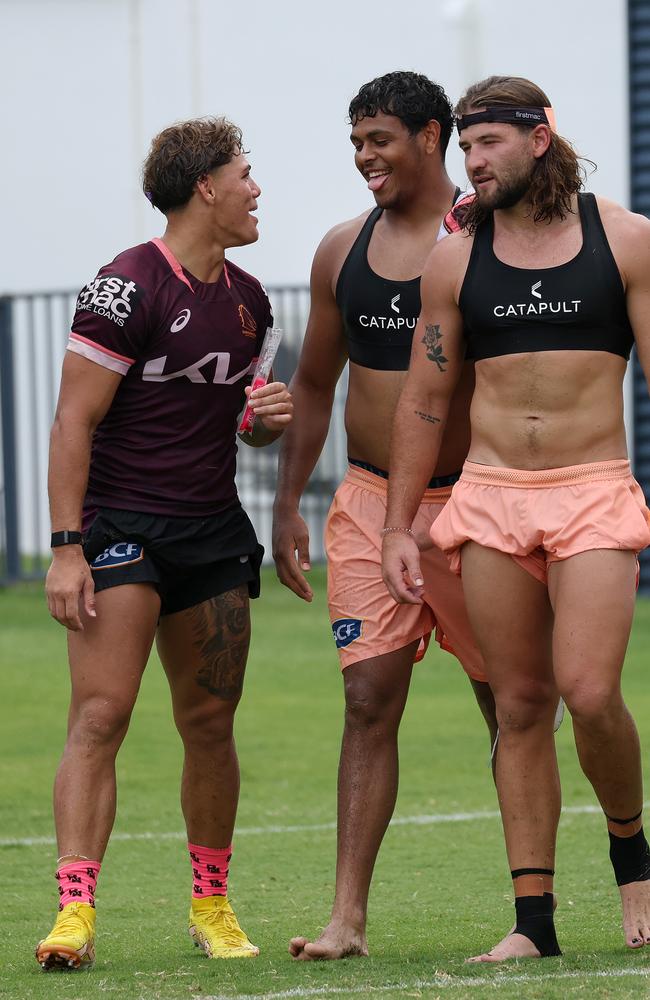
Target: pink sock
{"points": [[210, 870], [77, 882]]}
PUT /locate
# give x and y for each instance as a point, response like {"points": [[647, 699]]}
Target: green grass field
{"points": [[441, 888]]}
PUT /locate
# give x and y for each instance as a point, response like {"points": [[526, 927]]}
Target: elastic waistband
{"points": [[377, 484], [437, 483], [495, 475]]}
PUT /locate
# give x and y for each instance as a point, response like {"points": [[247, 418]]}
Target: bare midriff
{"points": [[548, 410], [370, 409]]}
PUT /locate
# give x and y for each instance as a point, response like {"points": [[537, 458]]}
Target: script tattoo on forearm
{"points": [[431, 340], [430, 419]]}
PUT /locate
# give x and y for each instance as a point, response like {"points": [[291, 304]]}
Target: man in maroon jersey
{"points": [[149, 538]]}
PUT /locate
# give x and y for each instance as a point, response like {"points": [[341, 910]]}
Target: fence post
{"points": [[8, 431]]}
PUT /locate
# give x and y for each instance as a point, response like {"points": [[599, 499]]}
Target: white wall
{"points": [[84, 84]]}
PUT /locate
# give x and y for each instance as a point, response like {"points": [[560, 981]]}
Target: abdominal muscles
{"points": [[548, 409]]}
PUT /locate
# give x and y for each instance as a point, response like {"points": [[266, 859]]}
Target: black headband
{"points": [[510, 116]]}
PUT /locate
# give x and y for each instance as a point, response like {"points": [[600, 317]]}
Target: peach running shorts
{"points": [[539, 517], [366, 621]]}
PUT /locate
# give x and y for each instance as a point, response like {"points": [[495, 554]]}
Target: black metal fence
{"points": [[33, 334], [639, 84]]}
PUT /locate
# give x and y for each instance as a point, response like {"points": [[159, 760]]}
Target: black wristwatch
{"points": [[65, 538]]}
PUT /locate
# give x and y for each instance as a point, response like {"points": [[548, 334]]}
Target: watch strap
{"points": [[65, 538]]}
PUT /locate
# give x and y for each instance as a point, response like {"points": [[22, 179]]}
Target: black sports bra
{"points": [[577, 306], [379, 314]]}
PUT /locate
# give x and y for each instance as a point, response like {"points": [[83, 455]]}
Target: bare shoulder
{"points": [[628, 234], [448, 260], [618, 219], [456, 246], [338, 241]]}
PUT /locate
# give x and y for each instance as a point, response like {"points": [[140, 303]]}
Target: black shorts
{"points": [[187, 559]]}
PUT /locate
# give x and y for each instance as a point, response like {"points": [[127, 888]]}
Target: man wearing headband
{"points": [[365, 299], [547, 289]]}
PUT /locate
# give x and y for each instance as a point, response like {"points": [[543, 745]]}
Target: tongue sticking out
{"points": [[376, 182]]}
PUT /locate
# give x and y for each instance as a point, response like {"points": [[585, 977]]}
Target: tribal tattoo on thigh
{"points": [[221, 632], [431, 340]]}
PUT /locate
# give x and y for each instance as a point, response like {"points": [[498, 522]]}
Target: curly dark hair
{"points": [[183, 153], [411, 97], [557, 175]]}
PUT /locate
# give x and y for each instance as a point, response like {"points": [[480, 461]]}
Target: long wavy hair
{"points": [[557, 175]]}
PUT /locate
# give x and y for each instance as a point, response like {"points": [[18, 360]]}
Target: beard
{"points": [[509, 192]]}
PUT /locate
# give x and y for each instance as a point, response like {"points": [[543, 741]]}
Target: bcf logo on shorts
{"points": [[119, 554], [346, 630]]}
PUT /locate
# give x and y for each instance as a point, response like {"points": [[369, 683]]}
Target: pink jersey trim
{"points": [[100, 347], [171, 260], [99, 355], [176, 266]]}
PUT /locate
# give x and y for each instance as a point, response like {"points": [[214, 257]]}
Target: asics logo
{"points": [[181, 321]]}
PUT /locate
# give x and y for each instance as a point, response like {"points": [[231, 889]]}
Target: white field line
{"points": [[439, 982], [247, 831]]}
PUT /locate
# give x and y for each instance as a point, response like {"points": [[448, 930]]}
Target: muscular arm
{"points": [[322, 360], [632, 252], [86, 393], [435, 367]]}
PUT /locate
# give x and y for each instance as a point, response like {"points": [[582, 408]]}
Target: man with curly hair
{"points": [[547, 287], [150, 541], [365, 299]]}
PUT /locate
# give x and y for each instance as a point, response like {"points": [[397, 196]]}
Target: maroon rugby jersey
{"points": [[185, 348]]}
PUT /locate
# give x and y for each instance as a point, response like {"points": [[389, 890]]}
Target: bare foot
{"points": [[512, 946], [636, 913], [334, 942]]}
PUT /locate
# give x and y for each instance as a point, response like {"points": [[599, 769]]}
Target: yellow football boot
{"points": [[214, 927], [71, 943]]}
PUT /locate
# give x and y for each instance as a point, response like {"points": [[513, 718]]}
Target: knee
{"points": [[207, 724], [593, 704], [100, 722], [526, 705], [370, 711]]}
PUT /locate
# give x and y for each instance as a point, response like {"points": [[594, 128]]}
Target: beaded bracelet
{"points": [[388, 531]]}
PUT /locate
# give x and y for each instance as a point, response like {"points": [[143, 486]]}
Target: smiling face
{"points": [[233, 195], [500, 160], [389, 157]]}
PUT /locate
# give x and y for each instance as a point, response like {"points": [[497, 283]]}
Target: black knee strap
{"points": [[535, 921], [630, 857], [517, 872], [623, 822]]}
